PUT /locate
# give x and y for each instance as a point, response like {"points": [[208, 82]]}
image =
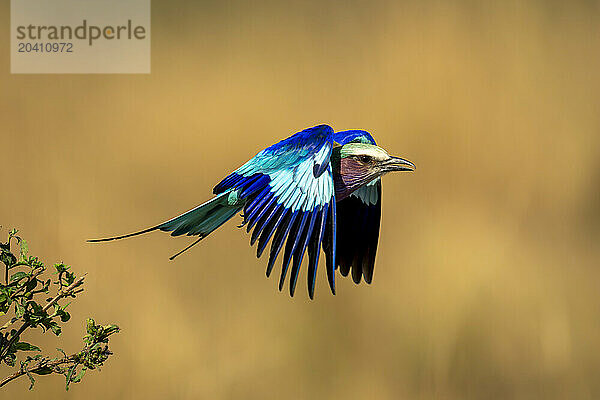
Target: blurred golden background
{"points": [[487, 276]]}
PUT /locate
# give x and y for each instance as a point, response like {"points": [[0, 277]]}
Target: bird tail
{"points": [[201, 220]]}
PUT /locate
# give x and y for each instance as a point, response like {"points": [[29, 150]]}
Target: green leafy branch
{"points": [[20, 292], [74, 366]]}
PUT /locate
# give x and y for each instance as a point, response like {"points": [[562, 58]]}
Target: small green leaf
{"points": [[18, 275], [80, 375], [69, 376], [31, 380], [55, 328], [24, 249], [65, 316], [90, 326], [109, 329], [24, 346], [8, 258], [19, 310], [10, 359], [31, 285], [60, 267], [43, 371]]}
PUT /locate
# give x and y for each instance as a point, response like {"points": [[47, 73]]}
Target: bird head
{"points": [[356, 164]]}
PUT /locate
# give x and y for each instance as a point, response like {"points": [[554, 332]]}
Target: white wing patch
{"points": [[298, 189], [293, 176]]}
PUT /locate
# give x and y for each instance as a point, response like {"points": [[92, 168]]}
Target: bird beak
{"points": [[397, 164]]}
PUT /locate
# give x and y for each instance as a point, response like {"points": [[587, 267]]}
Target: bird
{"points": [[317, 189]]}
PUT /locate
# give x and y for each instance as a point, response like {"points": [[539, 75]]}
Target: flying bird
{"points": [[316, 189]]}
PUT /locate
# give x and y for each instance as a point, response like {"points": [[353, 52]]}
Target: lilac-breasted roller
{"points": [[316, 189]]}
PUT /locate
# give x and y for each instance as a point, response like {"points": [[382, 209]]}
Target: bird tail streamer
{"points": [[201, 220]]}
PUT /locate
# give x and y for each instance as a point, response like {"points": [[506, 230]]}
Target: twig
{"points": [[44, 365], [62, 293], [34, 275]]}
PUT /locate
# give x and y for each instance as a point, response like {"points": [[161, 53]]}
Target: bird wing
{"points": [[358, 218], [288, 193]]}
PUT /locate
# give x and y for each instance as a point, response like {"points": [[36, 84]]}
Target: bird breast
{"points": [[349, 175]]}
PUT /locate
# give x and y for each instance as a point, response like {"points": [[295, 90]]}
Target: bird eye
{"points": [[365, 159]]}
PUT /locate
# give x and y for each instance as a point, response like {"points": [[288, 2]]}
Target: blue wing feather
{"points": [[344, 137], [314, 250], [299, 252], [284, 187], [265, 221], [269, 231], [282, 231], [290, 246]]}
